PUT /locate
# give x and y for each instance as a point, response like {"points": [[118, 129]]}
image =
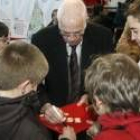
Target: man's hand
{"points": [[53, 114]]}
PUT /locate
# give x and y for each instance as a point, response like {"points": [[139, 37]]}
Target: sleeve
{"points": [[37, 39], [42, 94], [108, 41], [34, 40], [41, 136]]}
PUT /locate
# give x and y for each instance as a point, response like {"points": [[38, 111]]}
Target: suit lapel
{"points": [[61, 59], [86, 53]]}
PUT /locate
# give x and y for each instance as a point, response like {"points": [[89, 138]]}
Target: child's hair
{"points": [[20, 61], [4, 30], [115, 80], [127, 46]]}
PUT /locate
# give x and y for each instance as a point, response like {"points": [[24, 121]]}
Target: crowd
{"points": [[73, 60]]}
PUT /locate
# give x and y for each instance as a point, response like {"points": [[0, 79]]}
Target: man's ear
{"points": [[24, 87]]}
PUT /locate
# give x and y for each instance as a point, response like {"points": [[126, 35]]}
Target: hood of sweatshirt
{"points": [[130, 122], [13, 111]]}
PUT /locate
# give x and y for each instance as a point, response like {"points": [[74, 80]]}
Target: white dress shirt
{"points": [[78, 52]]}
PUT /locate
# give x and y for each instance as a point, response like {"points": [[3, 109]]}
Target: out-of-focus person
{"points": [[130, 38], [54, 18], [4, 35]]}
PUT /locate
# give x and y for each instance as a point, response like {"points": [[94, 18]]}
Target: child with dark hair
{"points": [[4, 30], [4, 35]]}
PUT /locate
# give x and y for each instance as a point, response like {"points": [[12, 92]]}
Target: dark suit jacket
{"points": [[97, 40]]}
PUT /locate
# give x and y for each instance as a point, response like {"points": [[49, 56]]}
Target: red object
{"points": [[119, 126], [74, 111], [93, 2]]}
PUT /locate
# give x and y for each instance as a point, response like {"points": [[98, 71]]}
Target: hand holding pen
{"points": [[54, 114]]}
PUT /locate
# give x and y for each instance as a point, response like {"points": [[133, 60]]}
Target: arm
{"points": [[53, 114], [68, 134], [83, 100]]}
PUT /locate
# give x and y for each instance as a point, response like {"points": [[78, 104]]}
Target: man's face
{"points": [[134, 25], [72, 33]]}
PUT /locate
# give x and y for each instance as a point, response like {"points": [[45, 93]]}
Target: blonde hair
{"points": [[114, 79], [127, 46]]}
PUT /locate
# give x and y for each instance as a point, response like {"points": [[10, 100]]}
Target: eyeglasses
{"points": [[69, 34]]}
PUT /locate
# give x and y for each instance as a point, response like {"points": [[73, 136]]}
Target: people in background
{"points": [[130, 38], [119, 18], [58, 42], [127, 46], [54, 18], [4, 35], [103, 16], [22, 68], [112, 82]]}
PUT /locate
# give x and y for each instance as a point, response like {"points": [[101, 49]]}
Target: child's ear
{"points": [[101, 107], [98, 101], [23, 87]]}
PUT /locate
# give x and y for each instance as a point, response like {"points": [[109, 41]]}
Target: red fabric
{"points": [[119, 126], [93, 2]]}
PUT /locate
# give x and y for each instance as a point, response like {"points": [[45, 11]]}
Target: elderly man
{"points": [[55, 42], [69, 48]]}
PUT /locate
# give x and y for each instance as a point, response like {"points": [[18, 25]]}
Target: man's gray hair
{"points": [[72, 11]]}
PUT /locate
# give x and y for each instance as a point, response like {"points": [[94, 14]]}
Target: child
{"points": [[22, 68], [4, 35], [113, 84]]}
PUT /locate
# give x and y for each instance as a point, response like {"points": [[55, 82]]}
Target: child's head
{"points": [[113, 84], [4, 30], [133, 19], [21, 61], [127, 46], [4, 33]]}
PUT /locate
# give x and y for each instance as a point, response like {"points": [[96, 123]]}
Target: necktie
{"points": [[74, 74]]}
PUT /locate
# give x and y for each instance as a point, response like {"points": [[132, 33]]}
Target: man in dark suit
{"points": [[96, 40], [56, 41]]}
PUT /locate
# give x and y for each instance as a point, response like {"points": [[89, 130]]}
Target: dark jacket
{"points": [[18, 122], [118, 126], [96, 40]]}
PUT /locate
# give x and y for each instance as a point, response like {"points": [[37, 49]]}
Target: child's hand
{"points": [[69, 133]]}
